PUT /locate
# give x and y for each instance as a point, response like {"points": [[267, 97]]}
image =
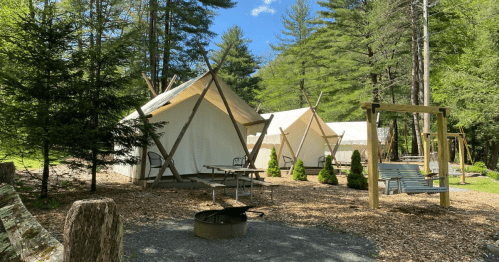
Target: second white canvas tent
{"points": [[293, 123], [210, 138], [355, 138]]}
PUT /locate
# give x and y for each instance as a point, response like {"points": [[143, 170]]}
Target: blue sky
{"points": [[260, 21]]}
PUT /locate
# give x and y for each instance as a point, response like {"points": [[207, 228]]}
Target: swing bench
{"points": [[407, 178]]}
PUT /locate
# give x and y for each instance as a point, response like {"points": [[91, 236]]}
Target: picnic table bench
{"points": [[262, 183], [209, 183]]}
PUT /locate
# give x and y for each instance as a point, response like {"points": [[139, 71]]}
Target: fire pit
{"points": [[227, 223]]}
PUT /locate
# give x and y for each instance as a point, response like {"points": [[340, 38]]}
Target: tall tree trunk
{"points": [[406, 133], [415, 82], [302, 84], [153, 45], [374, 77], [494, 152], [486, 149], [414, 142], [473, 142], [166, 46], [395, 131], [452, 150]]}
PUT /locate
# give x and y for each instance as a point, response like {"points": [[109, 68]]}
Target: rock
{"points": [[7, 173], [93, 231], [493, 249]]}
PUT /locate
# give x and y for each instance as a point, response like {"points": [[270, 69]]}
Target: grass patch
{"points": [[481, 184], [32, 162], [45, 203]]}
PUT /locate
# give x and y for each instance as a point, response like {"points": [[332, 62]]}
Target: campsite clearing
{"points": [[404, 228]]}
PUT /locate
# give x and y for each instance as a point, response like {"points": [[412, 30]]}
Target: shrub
{"points": [[326, 175], [355, 178], [273, 168], [493, 175], [299, 171], [477, 167]]}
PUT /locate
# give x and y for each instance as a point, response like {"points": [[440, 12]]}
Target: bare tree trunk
{"points": [[486, 149], [153, 45], [452, 150], [166, 46], [415, 82], [494, 152], [406, 133]]}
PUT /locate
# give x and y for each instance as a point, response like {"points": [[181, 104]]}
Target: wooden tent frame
{"points": [[168, 157], [372, 144], [461, 137]]}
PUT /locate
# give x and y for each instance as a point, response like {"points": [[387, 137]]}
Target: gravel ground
{"points": [[174, 240]]}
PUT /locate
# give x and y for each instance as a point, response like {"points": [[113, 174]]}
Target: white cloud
{"points": [[263, 8], [268, 2]]}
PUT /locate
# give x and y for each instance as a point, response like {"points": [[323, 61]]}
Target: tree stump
{"points": [[7, 173], [93, 232]]}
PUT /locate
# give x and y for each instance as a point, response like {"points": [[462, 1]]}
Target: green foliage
{"points": [[239, 66], [493, 175], [477, 167], [356, 178], [299, 171], [327, 175], [46, 203], [273, 169], [481, 184]]}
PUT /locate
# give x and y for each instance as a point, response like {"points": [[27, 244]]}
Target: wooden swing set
{"points": [[372, 145]]}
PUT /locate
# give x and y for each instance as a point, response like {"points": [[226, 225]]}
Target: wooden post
{"points": [[171, 83], [186, 125], [258, 145], [308, 127], [149, 84], [426, 147], [290, 150], [229, 111], [319, 124], [372, 159], [442, 156], [162, 150], [143, 161], [280, 149], [461, 158]]}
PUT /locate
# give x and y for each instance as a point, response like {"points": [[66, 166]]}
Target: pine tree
{"points": [[356, 178], [239, 65], [299, 171], [327, 175], [273, 169]]}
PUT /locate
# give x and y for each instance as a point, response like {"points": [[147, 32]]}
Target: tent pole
{"points": [[258, 145], [319, 124], [281, 146], [160, 146], [171, 83], [308, 127], [220, 91], [186, 125], [290, 150], [149, 84]]}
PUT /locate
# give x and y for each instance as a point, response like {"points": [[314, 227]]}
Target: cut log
{"points": [[93, 231], [7, 173]]}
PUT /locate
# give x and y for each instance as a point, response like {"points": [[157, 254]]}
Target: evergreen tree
{"points": [[299, 171], [273, 169], [239, 65], [327, 175], [38, 86], [356, 178]]}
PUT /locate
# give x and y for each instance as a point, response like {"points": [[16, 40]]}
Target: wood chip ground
{"points": [[404, 228]]}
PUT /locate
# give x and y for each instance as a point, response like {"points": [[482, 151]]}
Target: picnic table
{"points": [[412, 158]]}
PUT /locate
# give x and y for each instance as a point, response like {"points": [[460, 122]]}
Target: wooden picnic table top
{"points": [[234, 169]]}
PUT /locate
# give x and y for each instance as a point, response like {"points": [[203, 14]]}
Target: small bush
{"points": [[326, 175], [299, 171], [477, 167], [355, 178], [273, 169], [493, 175]]}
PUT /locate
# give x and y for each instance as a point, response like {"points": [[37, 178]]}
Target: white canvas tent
{"points": [[293, 123], [210, 138], [355, 138]]}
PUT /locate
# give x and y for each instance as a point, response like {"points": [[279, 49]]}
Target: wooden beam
{"points": [[281, 146], [143, 161], [442, 157], [186, 125], [461, 159], [333, 136], [289, 145], [171, 83], [149, 85], [162, 150], [338, 142], [256, 148], [426, 148], [372, 161], [448, 134], [405, 108], [229, 111], [319, 124], [258, 108], [256, 122]]}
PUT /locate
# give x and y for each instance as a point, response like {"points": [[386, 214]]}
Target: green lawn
{"points": [[482, 184], [30, 163]]}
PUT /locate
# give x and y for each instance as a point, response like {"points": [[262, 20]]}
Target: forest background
{"points": [[62, 62]]}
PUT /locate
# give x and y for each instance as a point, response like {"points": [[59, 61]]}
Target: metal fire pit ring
{"points": [[219, 224]]}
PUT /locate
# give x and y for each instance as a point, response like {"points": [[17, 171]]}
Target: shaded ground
{"points": [[264, 241], [404, 228]]}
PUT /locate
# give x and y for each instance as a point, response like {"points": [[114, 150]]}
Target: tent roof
{"points": [[285, 119], [242, 112], [356, 132]]}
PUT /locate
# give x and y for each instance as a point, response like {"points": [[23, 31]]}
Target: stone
{"points": [[93, 231], [493, 249], [7, 173]]}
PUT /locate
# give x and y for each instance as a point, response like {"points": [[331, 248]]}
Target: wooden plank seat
{"points": [[209, 183], [262, 183], [407, 178]]}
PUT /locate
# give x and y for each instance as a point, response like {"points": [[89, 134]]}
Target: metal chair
{"points": [[321, 160], [155, 161], [287, 160], [239, 161]]}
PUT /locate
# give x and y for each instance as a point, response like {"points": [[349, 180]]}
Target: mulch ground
{"points": [[404, 228]]}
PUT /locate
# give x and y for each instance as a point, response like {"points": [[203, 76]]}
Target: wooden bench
{"points": [[209, 183], [262, 183], [407, 178]]}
